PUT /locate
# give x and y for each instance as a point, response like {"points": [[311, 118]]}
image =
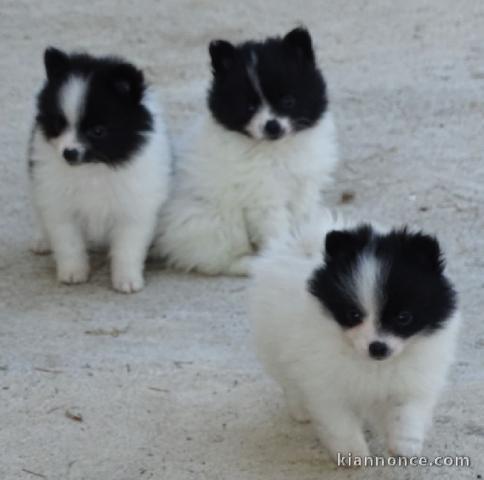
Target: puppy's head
{"points": [[267, 90], [90, 109], [383, 289]]}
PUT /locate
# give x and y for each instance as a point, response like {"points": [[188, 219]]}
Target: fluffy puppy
{"points": [[99, 165], [256, 164], [364, 332]]}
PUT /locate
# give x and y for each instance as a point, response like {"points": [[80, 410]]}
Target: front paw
{"points": [[72, 273], [127, 282], [405, 446], [355, 448]]}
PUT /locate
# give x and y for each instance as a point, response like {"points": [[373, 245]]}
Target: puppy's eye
{"points": [[403, 319], [353, 317], [58, 122], [251, 107], [54, 124], [98, 131], [288, 102]]}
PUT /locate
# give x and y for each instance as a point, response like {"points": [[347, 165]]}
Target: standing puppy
{"points": [[99, 165], [256, 165], [365, 332]]}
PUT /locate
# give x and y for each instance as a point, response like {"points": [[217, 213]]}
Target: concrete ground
{"points": [[164, 384]]}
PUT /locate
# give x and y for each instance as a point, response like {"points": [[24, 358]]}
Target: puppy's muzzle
{"points": [[72, 156]]}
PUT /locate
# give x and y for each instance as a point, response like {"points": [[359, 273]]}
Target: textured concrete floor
{"points": [[165, 380]]}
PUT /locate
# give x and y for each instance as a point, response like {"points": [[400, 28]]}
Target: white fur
{"points": [[232, 194], [324, 375], [93, 203]]}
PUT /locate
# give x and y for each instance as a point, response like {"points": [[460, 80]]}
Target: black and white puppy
{"points": [[256, 165], [99, 165], [364, 332]]}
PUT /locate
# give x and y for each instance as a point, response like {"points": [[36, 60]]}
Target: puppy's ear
{"points": [[222, 54], [56, 63], [425, 250], [128, 82], [346, 243], [298, 41]]}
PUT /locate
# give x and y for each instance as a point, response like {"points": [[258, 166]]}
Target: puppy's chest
{"points": [[373, 389], [95, 197], [268, 173]]}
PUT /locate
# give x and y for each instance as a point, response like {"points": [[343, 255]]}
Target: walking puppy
{"points": [[99, 166], [364, 332], [256, 165]]}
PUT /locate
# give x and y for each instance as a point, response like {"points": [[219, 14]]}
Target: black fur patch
{"points": [[413, 293], [288, 75], [114, 122]]}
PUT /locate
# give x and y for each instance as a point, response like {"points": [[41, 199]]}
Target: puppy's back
{"points": [[282, 311]]}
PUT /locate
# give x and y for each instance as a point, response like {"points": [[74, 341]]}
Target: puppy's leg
{"points": [[306, 204], [267, 223], [240, 267], [406, 423], [295, 404], [41, 243], [339, 429], [196, 237], [129, 246], [69, 250]]}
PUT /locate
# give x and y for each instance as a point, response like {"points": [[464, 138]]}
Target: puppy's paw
{"points": [[40, 246], [127, 282], [405, 446], [73, 273], [355, 447], [297, 410], [240, 267]]}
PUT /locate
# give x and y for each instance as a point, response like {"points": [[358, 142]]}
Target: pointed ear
{"points": [[56, 63], [128, 82], [344, 243], [425, 249], [299, 42], [222, 54]]}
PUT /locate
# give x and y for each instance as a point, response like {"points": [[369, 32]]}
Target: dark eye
{"points": [[98, 131], [58, 123], [251, 107], [53, 124], [403, 319], [288, 102], [353, 317]]}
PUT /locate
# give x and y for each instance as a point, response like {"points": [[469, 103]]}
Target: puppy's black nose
{"points": [[71, 155], [378, 350], [273, 129]]}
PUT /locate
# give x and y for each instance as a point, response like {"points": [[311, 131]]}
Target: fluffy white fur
{"points": [[325, 377], [92, 203], [233, 193]]}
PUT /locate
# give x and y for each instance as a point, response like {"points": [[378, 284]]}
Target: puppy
{"points": [[99, 165], [257, 163], [364, 332]]}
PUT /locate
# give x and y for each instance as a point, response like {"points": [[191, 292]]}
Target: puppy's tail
{"points": [[307, 238]]}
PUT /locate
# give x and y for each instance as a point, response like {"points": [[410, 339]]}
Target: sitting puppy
{"points": [[364, 332], [257, 163], [99, 165]]}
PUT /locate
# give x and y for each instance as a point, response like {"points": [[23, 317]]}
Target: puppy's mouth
{"points": [[265, 136], [88, 157], [83, 161], [274, 136]]}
